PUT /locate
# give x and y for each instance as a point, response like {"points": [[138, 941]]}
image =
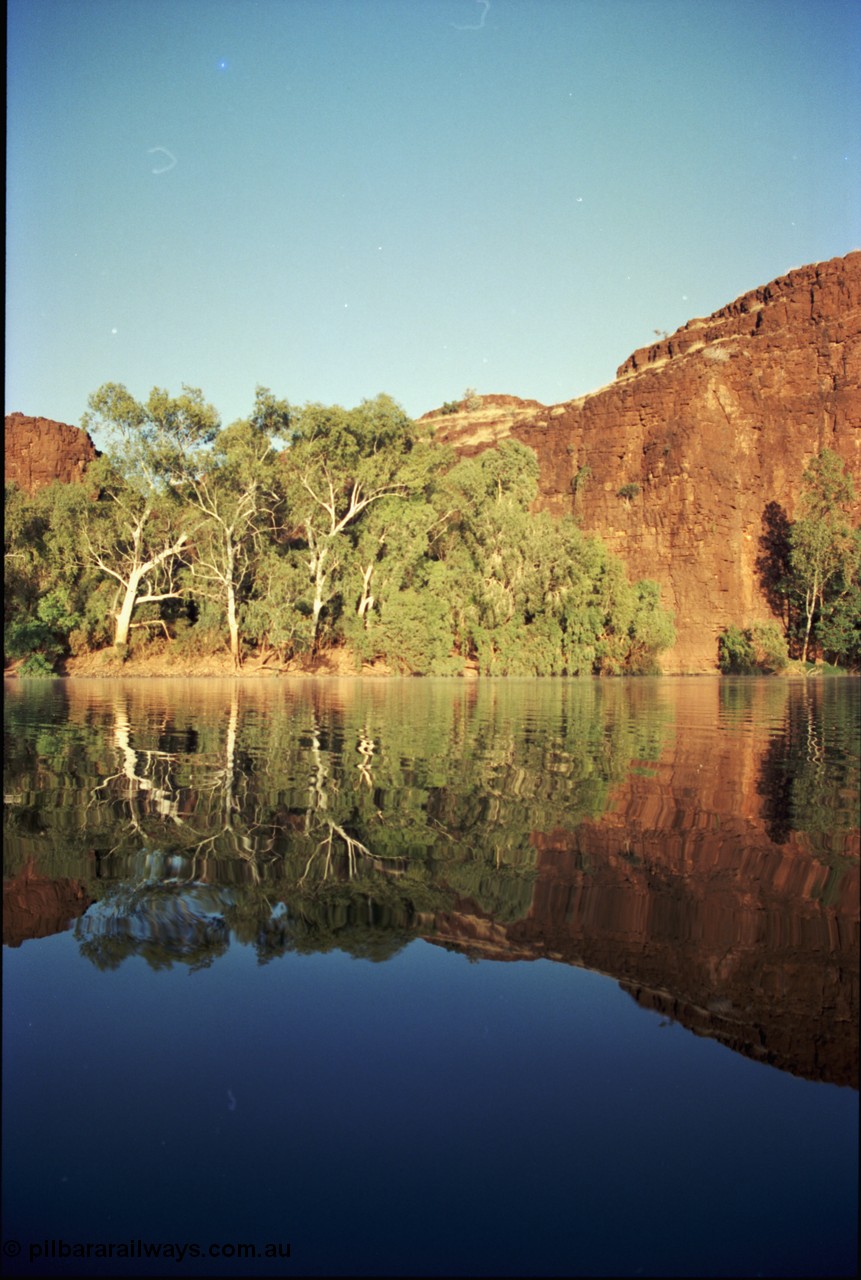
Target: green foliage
{"points": [[37, 666], [277, 613], [451, 406], [770, 648], [361, 531], [532, 595], [628, 491], [25, 636], [199, 640], [825, 552], [139, 531], [414, 633], [580, 479], [760, 648], [45, 581], [340, 464], [236, 491], [810, 570], [42, 637], [641, 629], [839, 628], [151, 441], [736, 654]]}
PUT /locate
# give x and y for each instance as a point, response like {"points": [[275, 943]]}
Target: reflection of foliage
{"points": [[161, 922], [811, 773], [368, 927], [347, 816], [326, 819]]}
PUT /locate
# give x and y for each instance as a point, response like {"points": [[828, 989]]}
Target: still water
{"points": [[431, 977]]}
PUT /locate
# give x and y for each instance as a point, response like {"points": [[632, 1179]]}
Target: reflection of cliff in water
{"points": [[711, 870], [37, 906], [737, 945], [682, 894]]}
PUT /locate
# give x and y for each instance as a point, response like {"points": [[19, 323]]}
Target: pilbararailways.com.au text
{"points": [[176, 1252]]}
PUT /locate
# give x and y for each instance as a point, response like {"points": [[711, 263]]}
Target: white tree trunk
{"points": [[127, 608], [319, 560], [233, 625], [366, 602], [132, 587]]}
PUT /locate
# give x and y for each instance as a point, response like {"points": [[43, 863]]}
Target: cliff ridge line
{"points": [[714, 425], [38, 451]]}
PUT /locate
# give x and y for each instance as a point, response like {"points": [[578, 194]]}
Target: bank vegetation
{"points": [[311, 537]]}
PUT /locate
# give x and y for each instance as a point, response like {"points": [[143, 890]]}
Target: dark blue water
{"points": [[438, 1111]]}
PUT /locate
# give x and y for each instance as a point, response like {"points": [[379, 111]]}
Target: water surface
{"points": [[432, 976]]}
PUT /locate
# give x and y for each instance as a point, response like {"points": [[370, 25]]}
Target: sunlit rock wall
{"points": [[711, 424], [39, 451]]}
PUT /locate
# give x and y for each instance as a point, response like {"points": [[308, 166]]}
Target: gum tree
{"points": [[339, 463], [233, 486], [823, 548], [140, 528]]}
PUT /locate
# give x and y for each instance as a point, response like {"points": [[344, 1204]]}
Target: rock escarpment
{"points": [[701, 432], [39, 451]]}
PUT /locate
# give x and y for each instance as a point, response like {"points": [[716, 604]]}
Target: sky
{"points": [[334, 198]]}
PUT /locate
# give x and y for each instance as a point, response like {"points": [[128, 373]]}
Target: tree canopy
{"points": [[824, 549], [809, 573], [303, 529]]}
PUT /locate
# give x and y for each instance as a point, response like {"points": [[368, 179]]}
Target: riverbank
{"points": [[161, 665], [337, 662]]}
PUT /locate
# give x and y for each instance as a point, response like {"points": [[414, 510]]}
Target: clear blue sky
{"points": [[334, 198]]}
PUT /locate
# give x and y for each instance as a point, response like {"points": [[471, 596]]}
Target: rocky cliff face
{"points": [[39, 451], [711, 424]]}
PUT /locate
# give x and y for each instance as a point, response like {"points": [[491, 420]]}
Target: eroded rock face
{"points": [[39, 451], [712, 425]]}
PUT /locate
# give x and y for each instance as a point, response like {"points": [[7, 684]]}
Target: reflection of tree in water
{"points": [[322, 823], [810, 773], [368, 927], [161, 922]]}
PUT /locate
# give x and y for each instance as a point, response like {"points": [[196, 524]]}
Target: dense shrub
{"points": [[770, 647], [37, 666], [628, 491], [736, 655], [760, 648]]}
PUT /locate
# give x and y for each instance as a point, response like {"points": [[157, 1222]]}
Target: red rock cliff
{"points": [[711, 424], [39, 451]]}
